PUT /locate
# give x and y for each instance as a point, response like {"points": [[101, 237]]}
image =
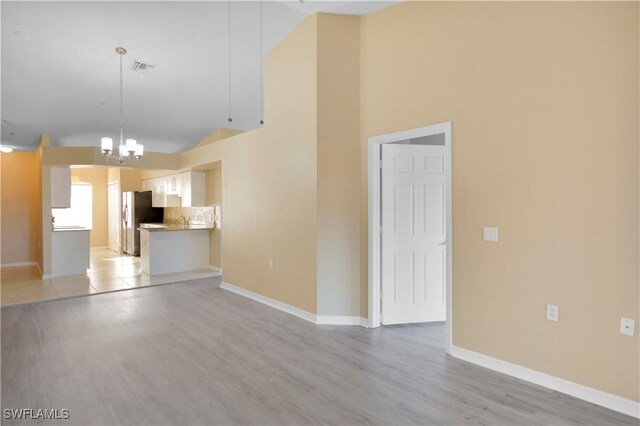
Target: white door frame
{"points": [[375, 240]]}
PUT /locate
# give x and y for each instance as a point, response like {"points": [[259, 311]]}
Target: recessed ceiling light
{"points": [[5, 149], [22, 34]]}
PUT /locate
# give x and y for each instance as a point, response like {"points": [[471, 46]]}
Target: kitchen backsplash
{"points": [[196, 214]]}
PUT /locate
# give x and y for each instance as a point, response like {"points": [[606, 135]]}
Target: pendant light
{"points": [[229, 119], [129, 148], [261, 67]]}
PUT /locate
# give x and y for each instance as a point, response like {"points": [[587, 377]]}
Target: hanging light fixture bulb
{"points": [[129, 148], [107, 146]]}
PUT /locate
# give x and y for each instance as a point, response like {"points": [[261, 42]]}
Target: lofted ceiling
{"points": [[60, 73]]}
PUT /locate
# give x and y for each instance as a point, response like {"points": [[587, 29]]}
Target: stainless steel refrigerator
{"points": [[136, 209]]}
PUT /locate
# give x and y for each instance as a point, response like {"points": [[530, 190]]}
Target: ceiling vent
{"points": [[141, 67]]}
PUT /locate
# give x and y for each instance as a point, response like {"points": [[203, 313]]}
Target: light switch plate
{"points": [[270, 264], [627, 326], [552, 312], [490, 234]]}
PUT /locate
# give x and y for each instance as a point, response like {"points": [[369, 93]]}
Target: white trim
{"points": [[11, 265], [308, 316], [216, 268], [375, 243], [339, 320], [604, 399], [300, 313]]}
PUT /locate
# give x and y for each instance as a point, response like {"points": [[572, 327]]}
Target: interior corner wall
{"points": [[338, 238], [19, 194], [38, 203], [269, 180], [543, 97], [213, 186]]}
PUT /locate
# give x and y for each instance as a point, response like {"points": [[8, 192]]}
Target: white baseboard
{"points": [[339, 320], [11, 265], [594, 396], [300, 313], [216, 268]]}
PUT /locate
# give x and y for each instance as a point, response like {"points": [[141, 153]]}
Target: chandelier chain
{"points": [[121, 106], [261, 66], [229, 51]]}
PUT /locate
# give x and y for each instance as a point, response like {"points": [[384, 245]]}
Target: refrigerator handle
{"points": [[125, 214]]}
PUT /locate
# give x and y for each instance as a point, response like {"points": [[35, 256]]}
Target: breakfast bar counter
{"points": [[166, 249]]}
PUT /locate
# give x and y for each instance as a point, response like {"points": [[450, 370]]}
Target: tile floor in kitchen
{"points": [[109, 271]]}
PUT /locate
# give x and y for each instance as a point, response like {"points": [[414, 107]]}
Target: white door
{"points": [[413, 233], [113, 207]]}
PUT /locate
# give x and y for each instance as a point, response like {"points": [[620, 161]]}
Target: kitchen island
{"points": [[166, 249]]}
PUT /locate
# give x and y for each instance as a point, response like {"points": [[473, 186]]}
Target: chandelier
{"points": [[128, 149]]}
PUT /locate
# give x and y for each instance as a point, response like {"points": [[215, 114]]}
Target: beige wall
{"points": [[219, 134], [92, 156], [269, 180], [544, 103], [338, 269], [45, 205], [130, 180], [97, 177], [37, 226], [213, 187], [19, 194]]}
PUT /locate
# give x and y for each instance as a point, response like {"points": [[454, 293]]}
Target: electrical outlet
{"points": [[270, 264], [552, 312], [490, 234], [627, 326]]}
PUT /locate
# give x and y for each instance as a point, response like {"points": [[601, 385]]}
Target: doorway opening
{"points": [[410, 250], [113, 216]]}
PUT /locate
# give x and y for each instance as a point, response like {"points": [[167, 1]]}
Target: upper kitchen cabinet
{"points": [[180, 190], [60, 187], [193, 191]]}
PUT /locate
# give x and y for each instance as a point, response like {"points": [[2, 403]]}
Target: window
{"points": [[81, 211]]}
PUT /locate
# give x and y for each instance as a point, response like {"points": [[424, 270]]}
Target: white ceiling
{"points": [[63, 77]]}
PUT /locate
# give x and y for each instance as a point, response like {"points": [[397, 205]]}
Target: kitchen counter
{"points": [[69, 229], [168, 252], [163, 227]]}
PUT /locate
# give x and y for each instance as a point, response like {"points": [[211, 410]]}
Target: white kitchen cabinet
{"points": [[179, 190], [60, 187], [164, 252], [174, 184], [193, 191], [159, 197], [69, 251]]}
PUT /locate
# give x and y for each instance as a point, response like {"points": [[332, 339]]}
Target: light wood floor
{"points": [[109, 271], [192, 353]]}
